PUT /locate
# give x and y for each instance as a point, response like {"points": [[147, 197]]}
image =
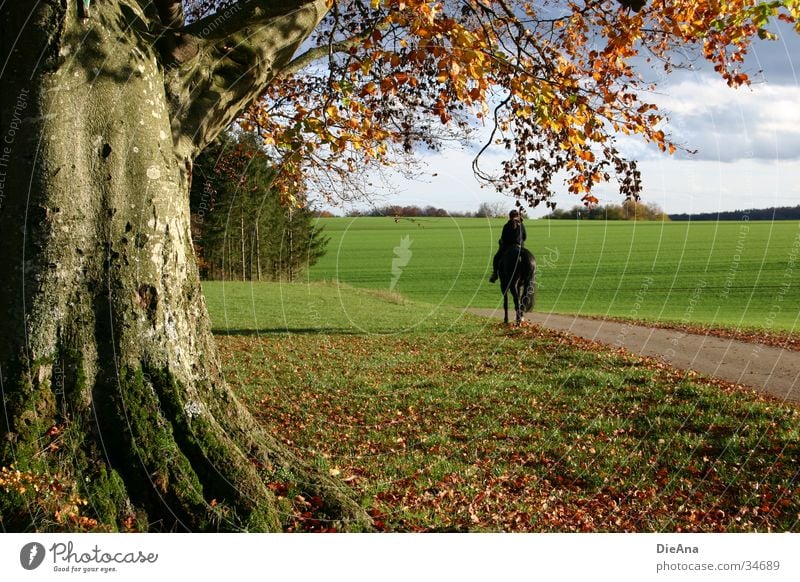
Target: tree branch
{"points": [[241, 51], [316, 53]]}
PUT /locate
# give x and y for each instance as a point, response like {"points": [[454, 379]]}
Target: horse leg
{"points": [[515, 295], [505, 306]]}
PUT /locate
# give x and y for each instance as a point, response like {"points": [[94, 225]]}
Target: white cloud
{"points": [[709, 186], [759, 122], [748, 143]]}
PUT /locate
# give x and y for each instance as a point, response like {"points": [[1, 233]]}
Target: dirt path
{"points": [[772, 370]]}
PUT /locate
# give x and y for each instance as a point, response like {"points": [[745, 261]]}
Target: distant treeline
{"points": [[779, 213], [405, 211], [628, 210], [485, 210]]}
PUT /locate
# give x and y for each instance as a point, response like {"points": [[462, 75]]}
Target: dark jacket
{"points": [[512, 236]]}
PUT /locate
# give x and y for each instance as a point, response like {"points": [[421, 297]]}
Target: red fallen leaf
{"points": [[378, 519], [279, 489], [53, 431]]}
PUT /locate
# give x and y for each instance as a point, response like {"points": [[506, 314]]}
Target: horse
{"points": [[518, 275]]}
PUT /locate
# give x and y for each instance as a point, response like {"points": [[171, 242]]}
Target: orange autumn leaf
{"points": [[557, 81]]}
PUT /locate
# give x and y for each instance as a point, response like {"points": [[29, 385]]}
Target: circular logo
{"points": [[31, 556]]}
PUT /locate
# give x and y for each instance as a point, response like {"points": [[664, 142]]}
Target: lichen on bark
{"points": [[112, 389]]}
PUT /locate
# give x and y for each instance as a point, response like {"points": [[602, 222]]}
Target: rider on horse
{"points": [[513, 235]]}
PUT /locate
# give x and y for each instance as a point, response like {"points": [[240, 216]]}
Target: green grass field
{"points": [[440, 421], [734, 274]]}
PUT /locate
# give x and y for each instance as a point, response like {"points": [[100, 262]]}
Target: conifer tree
{"points": [[242, 228]]}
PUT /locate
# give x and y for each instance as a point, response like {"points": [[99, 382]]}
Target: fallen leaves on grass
{"points": [[777, 339], [522, 429]]}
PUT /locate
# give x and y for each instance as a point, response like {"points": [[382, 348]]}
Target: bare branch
{"points": [[317, 53]]}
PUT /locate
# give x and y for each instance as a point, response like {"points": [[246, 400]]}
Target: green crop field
{"points": [[437, 420], [740, 274], [442, 421]]}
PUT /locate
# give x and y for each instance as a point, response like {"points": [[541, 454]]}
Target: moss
{"points": [[71, 476], [75, 382], [108, 497], [144, 456], [188, 460], [147, 456], [167, 468], [228, 475], [29, 413]]}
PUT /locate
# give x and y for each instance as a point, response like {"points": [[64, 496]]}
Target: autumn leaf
{"points": [[397, 74]]}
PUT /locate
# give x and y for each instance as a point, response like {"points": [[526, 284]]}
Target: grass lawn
{"points": [[443, 422], [727, 274]]}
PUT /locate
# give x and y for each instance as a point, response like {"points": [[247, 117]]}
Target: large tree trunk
{"points": [[105, 332]]}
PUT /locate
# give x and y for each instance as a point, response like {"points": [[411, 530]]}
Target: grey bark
{"points": [[105, 331]]}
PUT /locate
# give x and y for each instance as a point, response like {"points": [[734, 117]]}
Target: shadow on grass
{"points": [[288, 331], [345, 331]]}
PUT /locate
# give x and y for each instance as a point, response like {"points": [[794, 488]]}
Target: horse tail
{"points": [[529, 291]]}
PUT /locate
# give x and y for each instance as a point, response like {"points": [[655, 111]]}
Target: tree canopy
{"points": [[110, 376], [554, 82]]}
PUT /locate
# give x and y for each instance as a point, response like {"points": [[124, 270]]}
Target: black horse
{"points": [[518, 275]]}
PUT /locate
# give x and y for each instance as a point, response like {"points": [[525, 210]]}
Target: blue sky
{"points": [[747, 142]]}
